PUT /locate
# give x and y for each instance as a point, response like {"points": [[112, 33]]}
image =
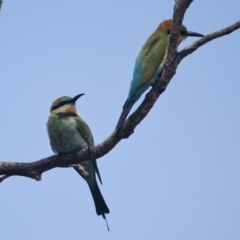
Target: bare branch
{"points": [[35, 169]]}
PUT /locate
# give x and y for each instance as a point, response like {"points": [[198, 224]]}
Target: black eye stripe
{"points": [[59, 105], [182, 33]]}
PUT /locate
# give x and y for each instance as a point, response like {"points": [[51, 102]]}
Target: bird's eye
{"points": [[59, 105]]}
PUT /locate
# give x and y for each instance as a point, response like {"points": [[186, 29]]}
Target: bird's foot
{"points": [[80, 168]]}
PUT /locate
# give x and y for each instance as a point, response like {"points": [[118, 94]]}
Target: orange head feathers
{"points": [[166, 26]]}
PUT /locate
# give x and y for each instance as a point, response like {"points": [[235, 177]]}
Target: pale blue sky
{"points": [[176, 178]]}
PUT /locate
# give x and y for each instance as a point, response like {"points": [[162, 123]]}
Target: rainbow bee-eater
{"points": [[68, 133], [150, 62]]}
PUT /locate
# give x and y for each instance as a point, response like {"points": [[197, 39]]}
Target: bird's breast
{"points": [[64, 135]]}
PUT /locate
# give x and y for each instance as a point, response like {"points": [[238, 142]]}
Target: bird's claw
{"points": [[80, 168]]}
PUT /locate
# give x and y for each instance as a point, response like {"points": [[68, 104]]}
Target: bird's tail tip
{"points": [[104, 217]]}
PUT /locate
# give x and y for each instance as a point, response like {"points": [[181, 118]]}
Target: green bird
{"points": [[150, 62], [68, 133]]}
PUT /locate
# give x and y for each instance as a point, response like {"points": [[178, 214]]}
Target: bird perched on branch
{"points": [[68, 133], [150, 62]]}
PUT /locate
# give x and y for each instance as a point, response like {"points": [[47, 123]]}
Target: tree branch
{"points": [[35, 169]]}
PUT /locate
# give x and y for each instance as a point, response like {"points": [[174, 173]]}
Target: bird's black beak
{"points": [[194, 34], [73, 100]]}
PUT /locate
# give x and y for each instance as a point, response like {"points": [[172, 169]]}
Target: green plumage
{"points": [[149, 64], [68, 133]]}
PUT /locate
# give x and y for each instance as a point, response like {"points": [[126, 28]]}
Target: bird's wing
{"points": [[86, 133], [147, 62]]}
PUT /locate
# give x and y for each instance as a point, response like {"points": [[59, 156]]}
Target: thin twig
{"points": [[3, 178]]}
